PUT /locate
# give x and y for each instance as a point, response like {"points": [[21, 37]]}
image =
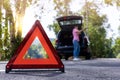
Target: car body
{"points": [[64, 45]]}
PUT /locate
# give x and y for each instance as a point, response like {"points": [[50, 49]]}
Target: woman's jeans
{"points": [[76, 50]]}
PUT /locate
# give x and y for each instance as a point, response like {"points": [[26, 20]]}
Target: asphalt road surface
{"points": [[96, 69]]}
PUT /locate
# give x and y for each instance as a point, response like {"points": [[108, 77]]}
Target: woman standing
{"points": [[76, 40]]}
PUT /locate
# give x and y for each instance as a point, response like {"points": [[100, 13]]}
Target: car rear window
{"points": [[70, 22]]}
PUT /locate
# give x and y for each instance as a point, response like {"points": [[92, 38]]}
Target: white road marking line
{"points": [[2, 70]]}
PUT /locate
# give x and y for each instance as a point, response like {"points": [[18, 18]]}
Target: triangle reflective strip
{"points": [[19, 61]]}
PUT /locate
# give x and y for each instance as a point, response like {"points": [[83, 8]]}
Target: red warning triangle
{"points": [[35, 52]]}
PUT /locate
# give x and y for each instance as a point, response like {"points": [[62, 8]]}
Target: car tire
{"points": [[60, 56], [88, 56], [66, 57]]}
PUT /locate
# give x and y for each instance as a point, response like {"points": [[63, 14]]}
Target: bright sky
{"points": [[48, 19], [113, 15]]}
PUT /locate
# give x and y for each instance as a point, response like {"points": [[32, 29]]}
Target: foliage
{"points": [[10, 24], [4, 34], [62, 7], [0, 29], [116, 47], [119, 30], [100, 46], [55, 27], [53, 41], [111, 2], [118, 56], [20, 7]]}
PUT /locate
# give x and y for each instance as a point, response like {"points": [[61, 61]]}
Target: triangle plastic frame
{"points": [[18, 62]]}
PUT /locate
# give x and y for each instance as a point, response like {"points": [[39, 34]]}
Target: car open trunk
{"points": [[65, 38], [68, 22]]}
